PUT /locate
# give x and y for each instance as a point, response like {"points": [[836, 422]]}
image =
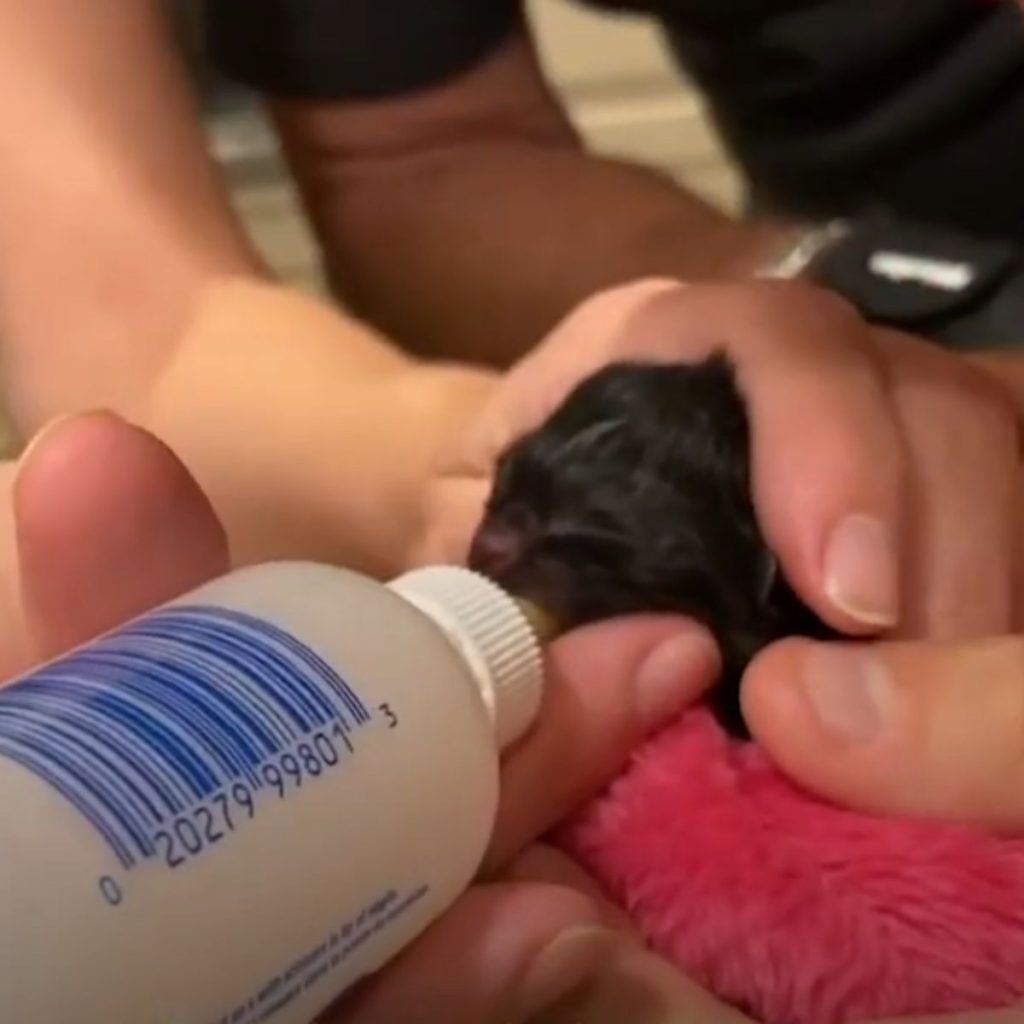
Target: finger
{"points": [[591, 335], [1018, 557], [921, 730], [962, 439], [15, 650], [540, 863], [501, 954], [609, 686], [633, 985], [543, 864], [1007, 1016], [108, 523], [828, 459], [527, 951], [639, 987], [531, 390]]}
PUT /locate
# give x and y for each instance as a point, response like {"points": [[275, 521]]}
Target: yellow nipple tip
{"points": [[541, 621]]}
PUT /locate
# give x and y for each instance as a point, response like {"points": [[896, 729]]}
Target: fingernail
{"points": [[850, 692], [861, 570], [560, 967], [672, 674], [617, 995], [54, 426]]}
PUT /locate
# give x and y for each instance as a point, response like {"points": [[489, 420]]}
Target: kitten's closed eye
{"points": [[634, 496]]}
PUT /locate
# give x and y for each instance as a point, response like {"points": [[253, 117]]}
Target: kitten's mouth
{"points": [[547, 579], [509, 556]]}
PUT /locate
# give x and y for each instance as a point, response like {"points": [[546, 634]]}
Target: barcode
{"points": [[174, 709]]}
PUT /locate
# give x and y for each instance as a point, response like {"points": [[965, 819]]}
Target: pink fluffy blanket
{"points": [[797, 911]]}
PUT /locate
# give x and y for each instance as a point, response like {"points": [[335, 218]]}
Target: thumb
{"points": [[932, 730], [109, 523]]}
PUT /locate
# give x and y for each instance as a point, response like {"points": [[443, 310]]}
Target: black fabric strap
{"points": [[943, 284], [353, 49]]}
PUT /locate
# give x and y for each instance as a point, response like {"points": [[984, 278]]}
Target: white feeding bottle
{"points": [[233, 807]]}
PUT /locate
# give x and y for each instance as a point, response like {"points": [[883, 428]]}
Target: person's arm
{"points": [[467, 218], [123, 285], [111, 212]]}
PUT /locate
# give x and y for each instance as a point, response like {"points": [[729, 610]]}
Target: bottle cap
{"points": [[492, 633]]}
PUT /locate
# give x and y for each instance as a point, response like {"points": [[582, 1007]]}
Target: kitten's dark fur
{"points": [[634, 496]]}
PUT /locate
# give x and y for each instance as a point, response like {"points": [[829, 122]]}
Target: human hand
{"points": [[100, 522], [960, 766], [534, 933], [478, 964], [1013, 1015], [916, 729], [107, 523], [885, 470]]}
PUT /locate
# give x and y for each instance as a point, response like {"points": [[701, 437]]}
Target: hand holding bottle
{"points": [[109, 524]]}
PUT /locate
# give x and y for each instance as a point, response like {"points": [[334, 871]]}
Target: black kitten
{"points": [[634, 496]]}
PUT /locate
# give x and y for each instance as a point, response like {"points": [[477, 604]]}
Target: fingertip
{"points": [[53, 451], [502, 953], [847, 568], [836, 721], [813, 720], [861, 572], [93, 456], [627, 643], [772, 705], [108, 523], [831, 499], [566, 963], [656, 666], [541, 863], [845, 565], [674, 674]]}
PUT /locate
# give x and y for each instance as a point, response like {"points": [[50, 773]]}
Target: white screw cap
{"points": [[493, 635]]}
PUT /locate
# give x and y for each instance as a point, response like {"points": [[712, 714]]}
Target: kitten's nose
{"points": [[497, 548]]}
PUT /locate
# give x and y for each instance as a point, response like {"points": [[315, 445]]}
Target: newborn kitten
{"points": [[634, 496]]}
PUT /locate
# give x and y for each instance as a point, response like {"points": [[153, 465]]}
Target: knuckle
{"points": [[980, 388], [808, 300], [832, 306], [629, 301], [996, 409], [950, 399], [984, 413]]}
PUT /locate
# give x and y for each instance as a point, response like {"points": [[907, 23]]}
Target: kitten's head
{"points": [[633, 497]]}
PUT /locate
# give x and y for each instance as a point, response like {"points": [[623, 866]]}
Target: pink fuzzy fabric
{"points": [[795, 910]]}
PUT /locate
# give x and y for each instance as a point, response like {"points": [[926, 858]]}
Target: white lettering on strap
{"points": [[899, 267]]}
